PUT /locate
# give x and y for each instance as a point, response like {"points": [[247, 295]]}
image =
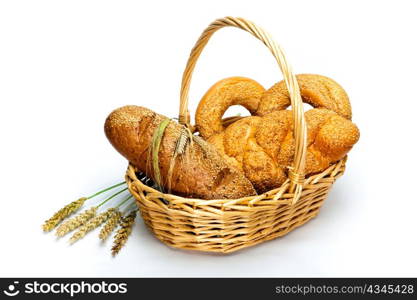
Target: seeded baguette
{"points": [[199, 173]]}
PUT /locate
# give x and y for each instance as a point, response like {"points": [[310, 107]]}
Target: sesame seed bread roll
{"points": [[317, 90], [201, 172], [262, 146], [223, 94]]}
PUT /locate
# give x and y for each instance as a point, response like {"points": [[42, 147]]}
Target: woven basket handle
{"points": [[296, 171]]}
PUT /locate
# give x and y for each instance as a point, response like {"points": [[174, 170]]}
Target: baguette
{"points": [[201, 172]]}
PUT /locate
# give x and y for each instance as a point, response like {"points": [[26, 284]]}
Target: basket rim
{"points": [[332, 170]]}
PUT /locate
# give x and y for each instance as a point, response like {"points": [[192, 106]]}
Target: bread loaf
{"points": [[202, 172]]}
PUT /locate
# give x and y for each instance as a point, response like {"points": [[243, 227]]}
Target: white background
{"points": [[64, 65]]}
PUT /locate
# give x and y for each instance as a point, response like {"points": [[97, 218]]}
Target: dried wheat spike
{"points": [[110, 225], [123, 233], [76, 222], [200, 141], [61, 214], [181, 142], [91, 225]]}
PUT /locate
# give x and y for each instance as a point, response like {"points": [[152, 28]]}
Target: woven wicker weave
{"points": [[227, 225]]}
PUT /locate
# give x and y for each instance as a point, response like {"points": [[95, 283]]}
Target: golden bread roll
{"points": [[225, 93], [262, 146], [317, 90]]}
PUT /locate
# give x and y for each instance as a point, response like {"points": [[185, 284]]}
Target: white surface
{"points": [[64, 65]]}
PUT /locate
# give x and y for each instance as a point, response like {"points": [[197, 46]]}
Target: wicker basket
{"points": [[227, 225]]}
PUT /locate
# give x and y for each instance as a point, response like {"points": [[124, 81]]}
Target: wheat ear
{"points": [[113, 220], [110, 225], [123, 233], [91, 225], [69, 209], [201, 142], [61, 214], [180, 146], [76, 221]]}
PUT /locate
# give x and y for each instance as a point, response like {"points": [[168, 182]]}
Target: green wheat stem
{"points": [[124, 201], [73, 207], [156, 144], [106, 189], [111, 197]]}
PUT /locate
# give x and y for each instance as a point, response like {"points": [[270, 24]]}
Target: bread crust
{"points": [[202, 173]]}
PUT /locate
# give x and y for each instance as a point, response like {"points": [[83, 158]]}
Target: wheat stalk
{"points": [[180, 146], [153, 154], [76, 222], [123, 233], [61, 214], [111, 223], [91, 225], [69, 209]]}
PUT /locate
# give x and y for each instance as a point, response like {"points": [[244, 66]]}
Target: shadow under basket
{"points": [[227, 225]]}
